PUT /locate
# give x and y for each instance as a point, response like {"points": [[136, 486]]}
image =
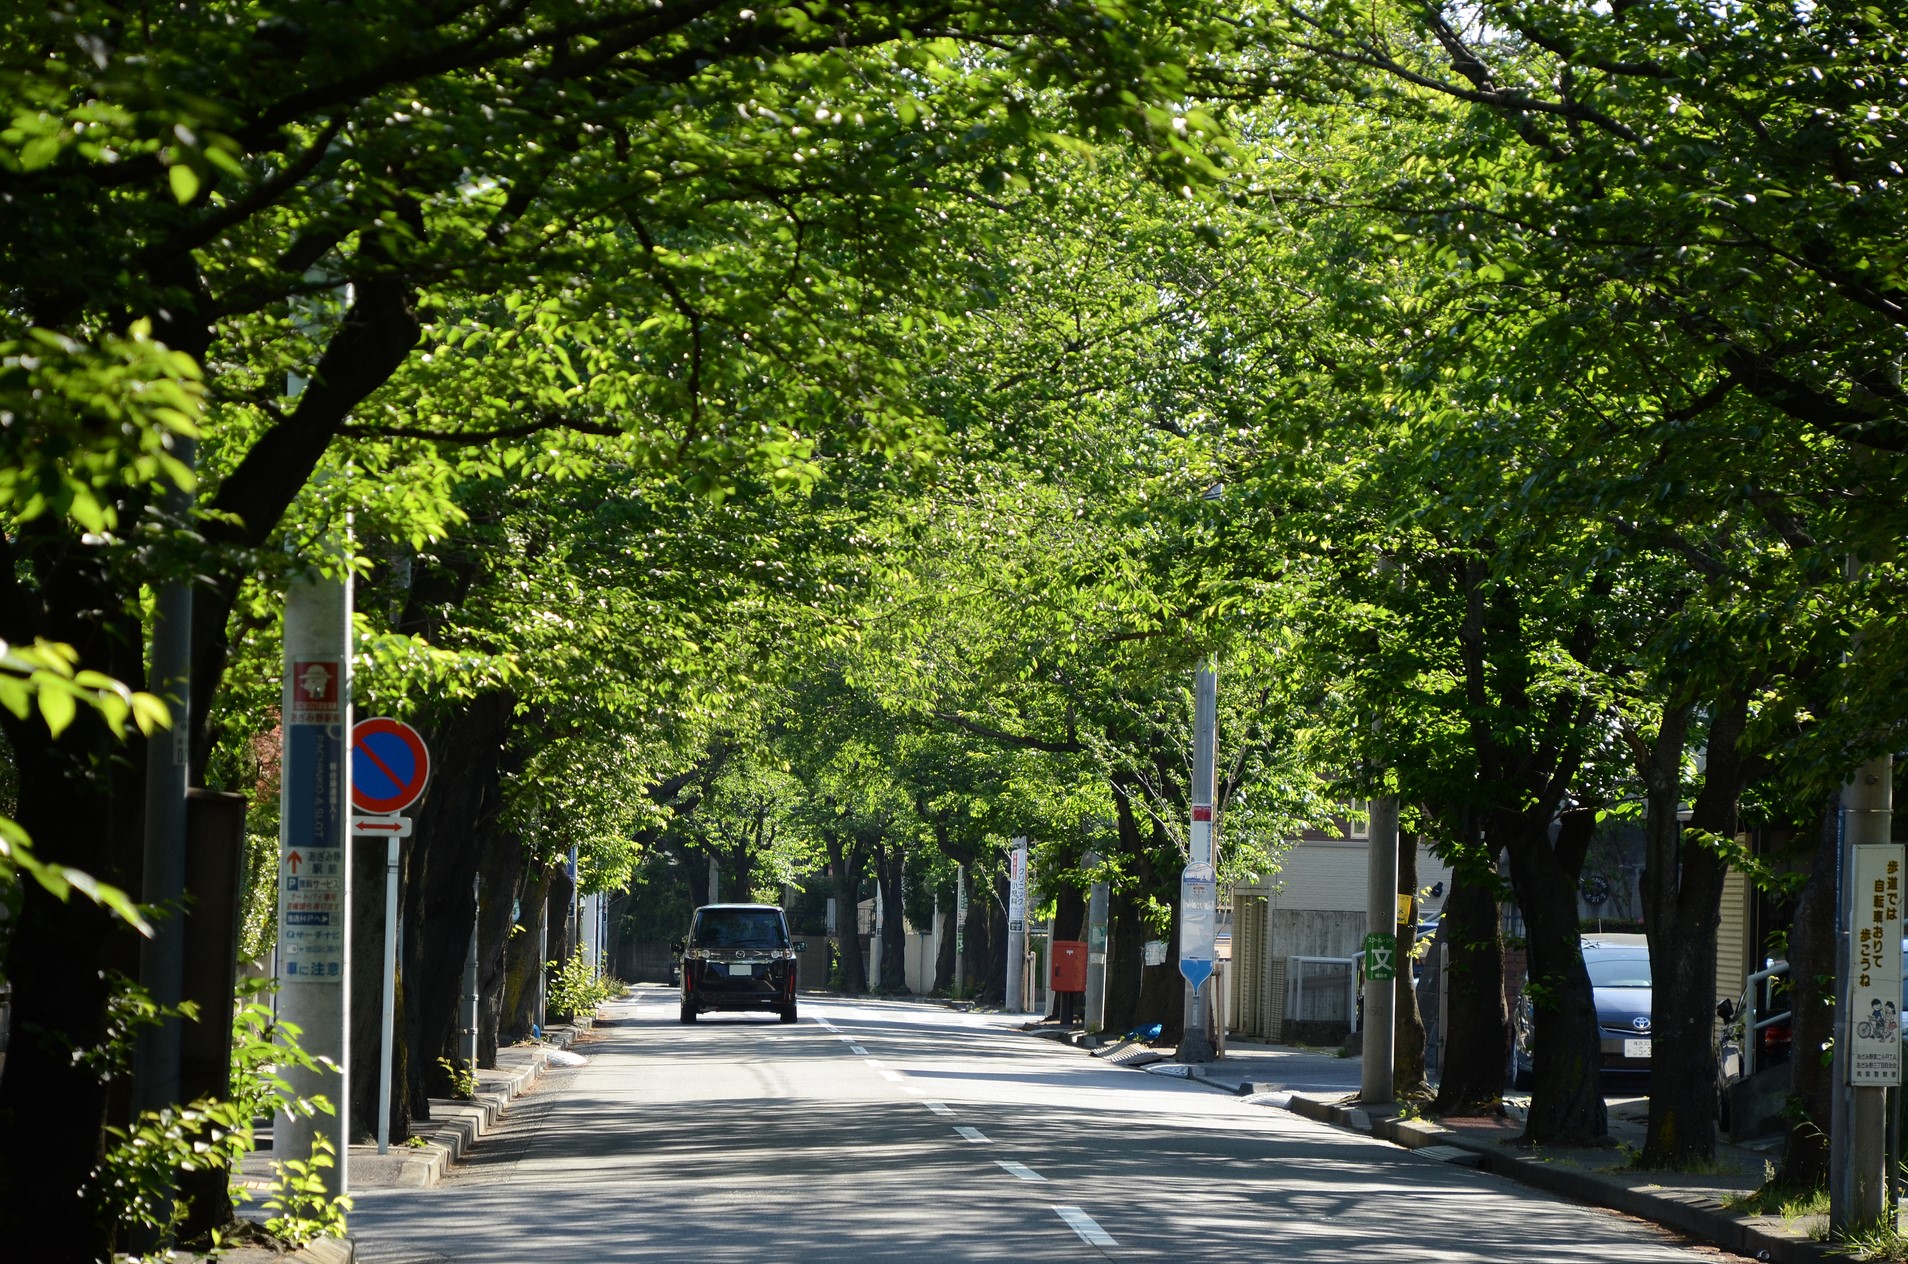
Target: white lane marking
{"points": [[825, 1025], [972, 1134], [1021, 1170], [939, 1108], [890, 1075], [847, 1040], [913, 1090], [856, 1049], [1086, 1226], [873, 1062]]}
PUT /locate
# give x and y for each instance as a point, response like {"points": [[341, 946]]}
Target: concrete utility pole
{"points": [[1381, 952], [1095, 1018], [1867, 1053], [1198, 916], [162, 957], [960, 930], [314, 898], [880, 911], [1017, 927]]}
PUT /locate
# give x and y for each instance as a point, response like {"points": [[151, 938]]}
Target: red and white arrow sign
{"points": [[384, 826]]}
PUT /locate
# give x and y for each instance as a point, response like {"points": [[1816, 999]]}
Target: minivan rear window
{"points": [[739, 928]]}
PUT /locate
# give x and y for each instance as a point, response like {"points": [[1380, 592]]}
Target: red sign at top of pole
{"points": [[389, 765]]}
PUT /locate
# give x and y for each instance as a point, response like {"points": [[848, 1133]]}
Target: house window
{"points": [[1358, 819]]}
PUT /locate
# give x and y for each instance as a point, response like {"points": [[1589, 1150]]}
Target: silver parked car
{"points": [[1619, 967]]}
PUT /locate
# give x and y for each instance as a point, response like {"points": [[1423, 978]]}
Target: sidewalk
{"points": [[454, 1127], [1307, 1083]]}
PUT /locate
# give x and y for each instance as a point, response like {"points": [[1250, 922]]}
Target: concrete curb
{"points": [[455, 1127], [1696, 1215]]}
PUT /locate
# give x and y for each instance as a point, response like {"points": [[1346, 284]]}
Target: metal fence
{"points": [[1321, 990]]}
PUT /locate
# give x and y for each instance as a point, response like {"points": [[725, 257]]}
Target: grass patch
{"points": [[1786, 1202], [1633, 1162], [1881, 1242]]}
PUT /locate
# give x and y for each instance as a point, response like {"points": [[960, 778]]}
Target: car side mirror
{"points": [[1726, 1010], [801, 946]]}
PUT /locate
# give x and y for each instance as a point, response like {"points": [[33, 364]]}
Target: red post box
{"points": [[1066, 969]]}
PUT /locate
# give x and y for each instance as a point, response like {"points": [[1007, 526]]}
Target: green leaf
{"points": [[184, 181]]}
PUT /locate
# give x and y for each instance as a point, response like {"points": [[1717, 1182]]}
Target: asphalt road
{"points": [[892, 1131]]}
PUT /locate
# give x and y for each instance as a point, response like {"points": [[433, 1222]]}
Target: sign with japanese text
{"points": [[1873, 1025], [311, 869], [1017, 886], [1381, 957], [1198, 921]]}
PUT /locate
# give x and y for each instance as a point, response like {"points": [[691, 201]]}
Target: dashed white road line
{"points": [[856, 1049], [890, 1076], [873, 1062], [825, 1025], [1086, 1226], [939, 1108], [972, 1134], [1021, 1170]]}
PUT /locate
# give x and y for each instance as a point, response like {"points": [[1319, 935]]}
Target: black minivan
{"points": [[738, 957]]}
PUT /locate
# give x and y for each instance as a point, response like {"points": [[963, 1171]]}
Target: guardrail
{"points": [[1751, 1025]]}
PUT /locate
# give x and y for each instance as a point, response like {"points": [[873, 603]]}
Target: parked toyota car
{"points": [[738, 957], [1619, 968]]}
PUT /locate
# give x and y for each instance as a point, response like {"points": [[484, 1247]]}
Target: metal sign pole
{"points": [[388, 1021]]}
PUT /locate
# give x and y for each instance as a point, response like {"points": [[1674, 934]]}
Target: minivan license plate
{"points": [[741, 969], [1636, 1048]]}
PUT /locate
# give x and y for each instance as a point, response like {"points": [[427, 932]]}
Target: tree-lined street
{"points": [[800, 451], [899, 1131]]}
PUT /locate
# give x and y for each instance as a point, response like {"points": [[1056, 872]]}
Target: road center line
{"points": [[1086, 1226], [856, 1049], [890, 1075], [939, 1108], [1021, 1170], [972, 1134], [873, 1062], [825, 1025]]}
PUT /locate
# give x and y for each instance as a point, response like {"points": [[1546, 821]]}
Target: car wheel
{"points": [[788, 1014], [688, 1012]]}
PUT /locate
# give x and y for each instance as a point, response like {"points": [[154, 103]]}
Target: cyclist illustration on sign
{"points": [[1882, 1023]]}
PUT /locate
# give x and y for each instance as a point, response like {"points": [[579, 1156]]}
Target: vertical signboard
{"points": [[311, 872], [1874, 1018], [1017, 886], [1198, 921]]}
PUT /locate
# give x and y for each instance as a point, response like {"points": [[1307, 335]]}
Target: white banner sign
{"points": [[1017, 885], [1873, 1029]]}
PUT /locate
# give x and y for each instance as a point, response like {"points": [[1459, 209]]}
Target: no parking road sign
{"points": [[389, 766]]}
